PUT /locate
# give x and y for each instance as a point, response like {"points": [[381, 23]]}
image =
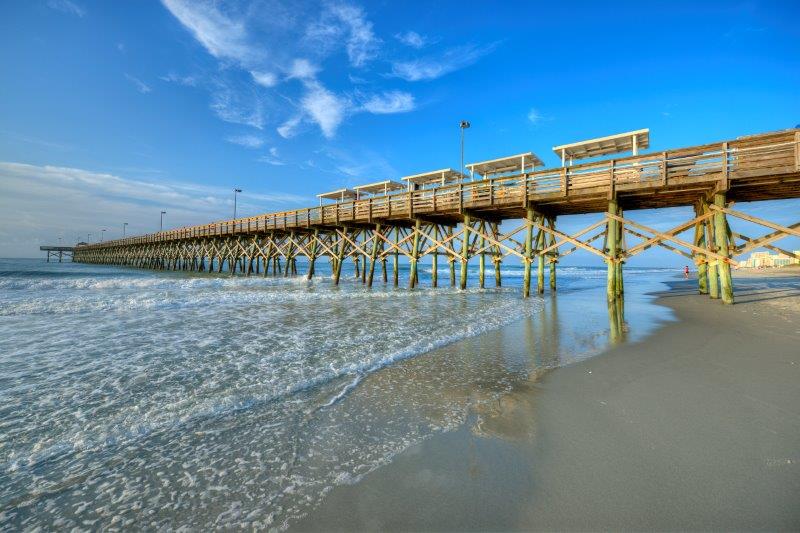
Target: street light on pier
{"points": [[235, 192], [124, 225], [464, 125], [88, 237], [161, 226], [102, 234]]}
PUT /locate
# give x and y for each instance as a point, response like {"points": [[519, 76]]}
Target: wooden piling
{"points": [[374, 256], [526, 273], [611, 229], [713, 277], [396, 258], [313, 255], [482, 256], [465, 253], [435, 260], [337, 272], [700, 259], [540, 258], [412, 276], [721, 239], [553, 255]]}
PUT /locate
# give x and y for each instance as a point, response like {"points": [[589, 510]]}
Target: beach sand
{"points": [[696, 427]]}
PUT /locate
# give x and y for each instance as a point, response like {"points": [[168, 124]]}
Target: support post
{"points": [[554, 256], [337, 272], [700, 259], [713, 276], [465, 253], [721, 237], [412, 276], [611, 229], [395, 262], [526, 273], [435, 260], [312, 260], [374, 256], [540, 258], [482, 257]]}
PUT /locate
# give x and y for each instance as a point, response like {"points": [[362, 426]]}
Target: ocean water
{"points": [[161, 400]]}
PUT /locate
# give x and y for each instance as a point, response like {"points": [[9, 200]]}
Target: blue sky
{"points": [[112, 111]]}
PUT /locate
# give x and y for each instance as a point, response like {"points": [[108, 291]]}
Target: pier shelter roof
{"points": [[380, 187], [612, 144], [339, 195], [512, 163], [439, 177]]}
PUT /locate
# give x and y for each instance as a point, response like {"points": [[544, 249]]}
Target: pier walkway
{"points": [[445, 214]]}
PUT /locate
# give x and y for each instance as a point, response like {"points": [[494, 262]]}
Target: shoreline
{"points": [[695, 426]]}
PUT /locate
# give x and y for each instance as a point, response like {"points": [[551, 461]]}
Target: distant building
{"points": [[768, 260]]}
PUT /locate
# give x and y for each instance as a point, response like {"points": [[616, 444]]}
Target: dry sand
{"points": [[695, 428]]}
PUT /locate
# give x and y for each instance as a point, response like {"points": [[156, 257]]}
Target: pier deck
{"points": [[415, 223]]}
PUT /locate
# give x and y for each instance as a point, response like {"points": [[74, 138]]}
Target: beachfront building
{"points": [[768, 260]]}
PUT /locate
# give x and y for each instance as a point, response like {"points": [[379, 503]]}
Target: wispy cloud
{"points": [[223, 36], [412, 39], [189, 81], [248, 141], [265, 79], [534, 116], [273, 158], [41, 203], [67, 6], [389, 102], [323, 107], [288, 129], [339, 21], [141, 86], [50, 145], [359, 164], [236, 106], [436, 66]]}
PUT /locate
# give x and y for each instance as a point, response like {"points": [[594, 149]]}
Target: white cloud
{"points": [[273, 158], [302, 69], [38, 204], [141, 86], [534, 116], [323, 107], [67, 6], [248, 141], [432, 67], [288, 129], [265, 79], [237, 107], [340, 20], [412, 39], [389, 102], [189, 81], [224, 37], [360, 164]]}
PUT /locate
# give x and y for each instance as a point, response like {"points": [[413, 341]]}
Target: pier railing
{"points": [[749, 157]]}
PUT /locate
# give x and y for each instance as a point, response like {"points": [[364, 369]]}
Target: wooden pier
{"points": [[448, 216], [59, 252]]}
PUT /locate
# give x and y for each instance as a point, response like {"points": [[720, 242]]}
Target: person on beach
{"points": [[686, 272]]}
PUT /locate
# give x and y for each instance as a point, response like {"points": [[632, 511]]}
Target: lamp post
{"points": [[102, 234], [88, 237], [464, 125], [161, 226], [124, 225], [235, 192]]}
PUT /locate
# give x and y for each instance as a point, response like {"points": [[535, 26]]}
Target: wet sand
{"points": [[695, 427]]}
